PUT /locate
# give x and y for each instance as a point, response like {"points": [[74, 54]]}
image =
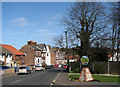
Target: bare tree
{"points": [[59, 41], [115, 25], [85, 22]]}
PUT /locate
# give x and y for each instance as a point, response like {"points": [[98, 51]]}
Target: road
{"points": [[44, 77]]}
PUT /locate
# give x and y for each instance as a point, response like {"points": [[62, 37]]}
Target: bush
{"points": [[77, 70], [71, 72]]}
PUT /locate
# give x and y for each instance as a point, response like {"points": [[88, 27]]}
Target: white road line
{"points": [[56, 77], [17, 81]]}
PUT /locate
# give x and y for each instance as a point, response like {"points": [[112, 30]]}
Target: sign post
{"points": [[85, 73]]}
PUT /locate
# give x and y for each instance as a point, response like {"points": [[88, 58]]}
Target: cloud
{"points": [[58, 15], [21, 21], [50, 23]]}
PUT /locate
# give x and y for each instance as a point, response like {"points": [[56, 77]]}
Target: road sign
{"points": [[85, 75], [84, 60]]}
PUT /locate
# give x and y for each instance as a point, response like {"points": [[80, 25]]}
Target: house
{"points": [[5, 57], [114, 57], [43, 52], [60, 57], [34, 53], [48, 55], [73, 58], [53, 57], [17, 55]]}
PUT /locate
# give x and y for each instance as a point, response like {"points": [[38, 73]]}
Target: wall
{"points": [[30, 54], [53, 58]]}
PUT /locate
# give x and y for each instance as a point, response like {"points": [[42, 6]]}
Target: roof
{"points": [[4, 50], [41, 46], [12, 49], [35, 48]]}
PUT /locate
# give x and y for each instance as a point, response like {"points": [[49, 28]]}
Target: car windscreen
{"points": [[22, 68], [38, 66]]}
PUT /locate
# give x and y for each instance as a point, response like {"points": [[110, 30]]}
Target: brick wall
{"points": [[29, 55]]}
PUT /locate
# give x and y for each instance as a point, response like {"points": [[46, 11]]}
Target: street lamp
{"points": [[67, 52]]}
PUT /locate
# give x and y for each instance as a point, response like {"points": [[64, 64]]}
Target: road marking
{"points": [[17, 81], [56, 77]]}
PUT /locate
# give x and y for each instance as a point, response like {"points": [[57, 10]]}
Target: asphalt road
{"points": [[44, 77]]}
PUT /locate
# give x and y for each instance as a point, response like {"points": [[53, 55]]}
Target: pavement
{"points": [[63, 79]]}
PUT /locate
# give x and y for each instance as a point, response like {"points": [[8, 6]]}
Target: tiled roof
{"points": [[4, 50], [12, 49], [35, 48], [41, 46]]}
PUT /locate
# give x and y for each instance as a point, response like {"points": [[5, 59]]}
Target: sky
{"points": [[37, 21]]}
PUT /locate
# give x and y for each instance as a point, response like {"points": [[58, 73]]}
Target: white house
{"points": [[48, 55], [114, 58], [38, 61], [8, 57]]}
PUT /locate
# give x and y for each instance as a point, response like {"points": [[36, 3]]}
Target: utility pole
{"points": [[67, 52]]}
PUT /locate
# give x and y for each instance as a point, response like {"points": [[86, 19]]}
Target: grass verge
{"points": [[100, 78]]}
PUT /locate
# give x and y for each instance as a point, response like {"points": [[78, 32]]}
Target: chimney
{"points": [[32, 43]]}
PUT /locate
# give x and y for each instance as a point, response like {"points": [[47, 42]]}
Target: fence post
{"points": [[108, 67]]}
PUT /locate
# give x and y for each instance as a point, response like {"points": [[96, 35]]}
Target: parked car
{"points": [[52, 66], [32, 67], [47, 67], [4, 67], [38, 68], [55, 66], [59, 65], [24, 69], [64, 66]]}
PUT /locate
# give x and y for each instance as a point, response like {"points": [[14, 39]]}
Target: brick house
{"points": [[34, 53], [17, 55], [53, 57]]}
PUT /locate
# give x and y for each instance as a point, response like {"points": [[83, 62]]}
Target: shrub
{"points": [[71, 72], [76, 70]]}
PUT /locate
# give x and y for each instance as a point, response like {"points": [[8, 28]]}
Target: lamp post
{"points": [[67, 52]]}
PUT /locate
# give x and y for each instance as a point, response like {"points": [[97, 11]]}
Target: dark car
{"points": [[47, 67]]}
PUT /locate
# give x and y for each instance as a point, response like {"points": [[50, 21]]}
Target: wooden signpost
{"points": [[85, 73]]}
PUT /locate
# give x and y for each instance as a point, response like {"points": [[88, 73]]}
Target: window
{"points": [[21, 56], [25, 53], [36, 53], [47, 54], [16, 57], [38, 60], [39, 53]]}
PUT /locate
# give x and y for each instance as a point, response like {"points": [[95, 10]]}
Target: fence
{"points": [[8, 71], [99, 67]]}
